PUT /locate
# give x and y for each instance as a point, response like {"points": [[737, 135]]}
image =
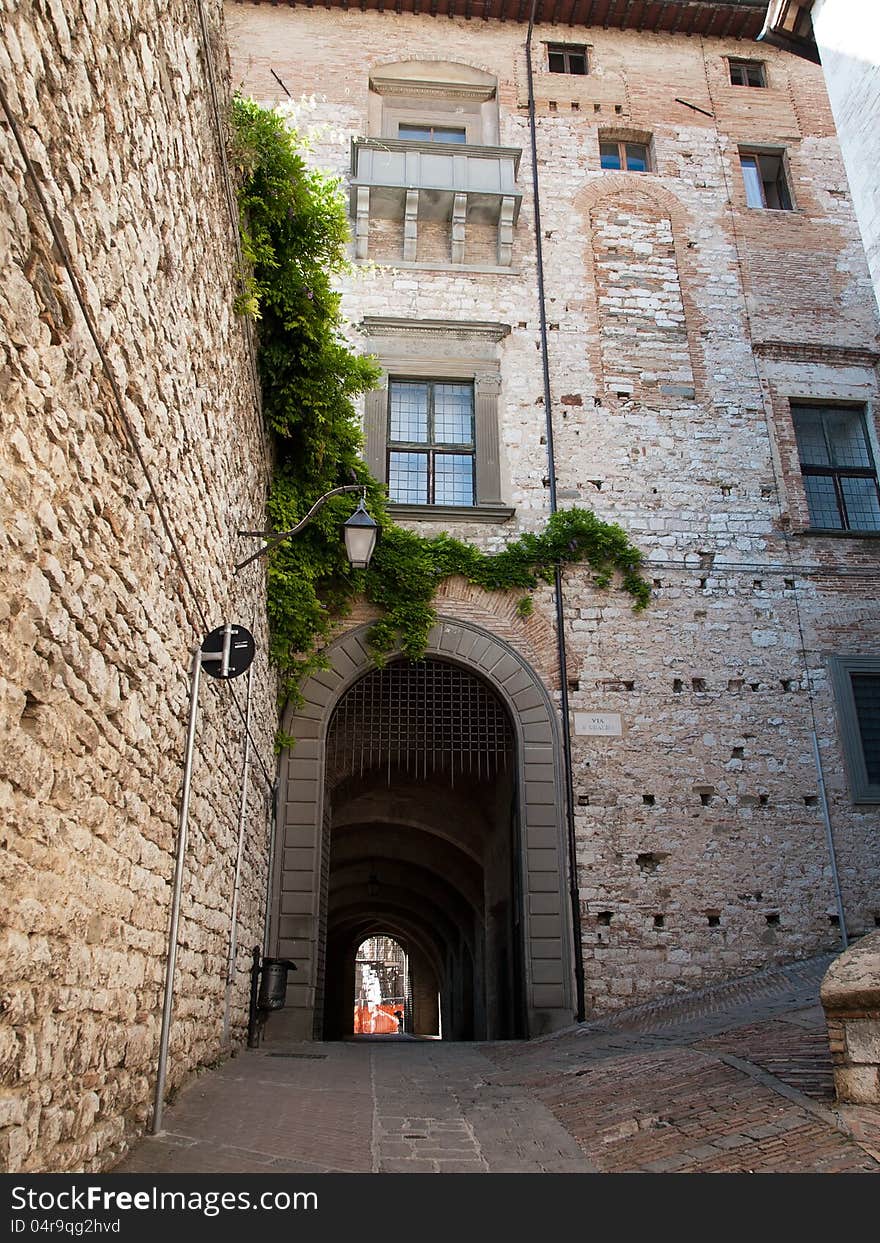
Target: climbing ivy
{"points": [[294, 230]]}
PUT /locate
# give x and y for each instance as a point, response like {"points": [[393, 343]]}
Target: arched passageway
{"points": [[423, 801], [419, 784]]}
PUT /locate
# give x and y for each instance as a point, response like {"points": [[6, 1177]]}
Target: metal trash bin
{"points": [[273, 983]]}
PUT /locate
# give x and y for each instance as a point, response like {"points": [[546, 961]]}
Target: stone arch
{"points": [[299, 883]]}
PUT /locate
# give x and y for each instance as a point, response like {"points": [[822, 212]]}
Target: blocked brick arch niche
{"points": [[523, 826]]}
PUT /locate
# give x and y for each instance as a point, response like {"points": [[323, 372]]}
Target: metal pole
{"points": [[253, 1036], [156, 1125], [270, 865], [236, 888], [564, 707], [829, 837]]}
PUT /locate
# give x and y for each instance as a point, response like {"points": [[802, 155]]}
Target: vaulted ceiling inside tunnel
{"points": [[420, 782]]}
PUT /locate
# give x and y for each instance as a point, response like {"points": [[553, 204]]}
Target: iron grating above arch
{"points": [[425, 719]]}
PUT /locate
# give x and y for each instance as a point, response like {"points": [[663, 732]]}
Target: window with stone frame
{"points": [[746, 72], [765, 180], [413, 100], [431, 442], [567, 58], [856, 683], [431, 429], [837, 466]]}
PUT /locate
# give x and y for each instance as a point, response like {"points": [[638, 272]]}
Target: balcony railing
{"points": [[402, 179]]}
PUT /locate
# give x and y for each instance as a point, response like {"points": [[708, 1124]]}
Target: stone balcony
{"points": [[411, 181]]}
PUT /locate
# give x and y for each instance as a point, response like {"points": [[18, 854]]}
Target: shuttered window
{"points": [[856, 682], [866, 697]]}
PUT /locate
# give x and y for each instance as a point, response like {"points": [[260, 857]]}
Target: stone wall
{"points": [[99, 618], [851, 999], [681, 323]]}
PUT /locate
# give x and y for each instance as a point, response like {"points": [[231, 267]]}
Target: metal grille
{"points": [[424, 719]]}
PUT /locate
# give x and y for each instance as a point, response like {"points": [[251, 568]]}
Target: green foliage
{"points": [[294, 230]]}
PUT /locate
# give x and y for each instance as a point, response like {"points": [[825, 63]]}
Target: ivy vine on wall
{"points": [[294, 230]]}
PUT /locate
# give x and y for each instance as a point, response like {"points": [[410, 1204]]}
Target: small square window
{"points": [[840, 477], [765, 182], [631, 157], [856, 682], [567, 58], [747, 73]]}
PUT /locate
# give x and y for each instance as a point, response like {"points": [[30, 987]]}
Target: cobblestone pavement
{"points": [[732, 1079]]}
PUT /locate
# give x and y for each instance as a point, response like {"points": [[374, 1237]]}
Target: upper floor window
{"points": [[431, 443], [746, 72], [632, 157], [567, 58], [433, 101], [765, 181], [432, 133], [840, 476]]}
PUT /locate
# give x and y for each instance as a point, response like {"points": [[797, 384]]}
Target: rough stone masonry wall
{"points": [[681, 323], [97, 624]]}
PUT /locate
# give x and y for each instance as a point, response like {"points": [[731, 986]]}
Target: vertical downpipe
{"points": [[560, 615], [829, 838]]}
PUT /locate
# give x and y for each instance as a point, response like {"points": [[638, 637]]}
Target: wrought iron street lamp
{"points": [[359, 532]]}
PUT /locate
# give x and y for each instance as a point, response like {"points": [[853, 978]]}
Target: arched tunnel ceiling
{"points": [[460, 814], [379, 846], [445, 919]]}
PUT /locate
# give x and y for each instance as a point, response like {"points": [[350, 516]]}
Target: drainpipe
{"points": [[560, 618], [829, 838]]}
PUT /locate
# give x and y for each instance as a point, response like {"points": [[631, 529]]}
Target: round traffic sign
{"points": [[228, 651]]}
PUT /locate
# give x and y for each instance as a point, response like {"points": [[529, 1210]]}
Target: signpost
{"points": [[225, 653]]}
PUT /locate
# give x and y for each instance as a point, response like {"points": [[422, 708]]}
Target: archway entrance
{"points": [[419, 785], [424, 802]]}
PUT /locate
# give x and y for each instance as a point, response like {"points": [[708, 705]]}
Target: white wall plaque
{"points": [[598, 724]]}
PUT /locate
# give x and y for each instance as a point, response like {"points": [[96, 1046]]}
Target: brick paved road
{"points": [[416, 1106], [734, 1079]]}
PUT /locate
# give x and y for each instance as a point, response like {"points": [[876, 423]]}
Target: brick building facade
{"points": [[711, 345]]}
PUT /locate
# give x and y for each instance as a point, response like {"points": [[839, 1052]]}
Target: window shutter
{"points": [[376, 432], [488, 463]]}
